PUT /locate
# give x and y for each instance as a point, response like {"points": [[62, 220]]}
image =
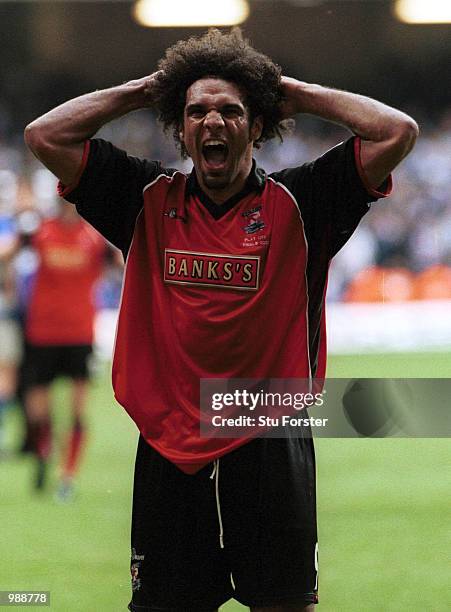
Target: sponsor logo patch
{"points": [[211, 270]]}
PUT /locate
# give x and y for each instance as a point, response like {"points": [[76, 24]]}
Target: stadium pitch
{"points": [[383, 512]]}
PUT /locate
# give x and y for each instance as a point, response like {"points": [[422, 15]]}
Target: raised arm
{"points": [[57, 138], [387, 135]]}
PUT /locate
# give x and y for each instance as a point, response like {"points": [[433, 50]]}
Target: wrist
{"points": [[132, 95], [299, 96], [308, 97]]}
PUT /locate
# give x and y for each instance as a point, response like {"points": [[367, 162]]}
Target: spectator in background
{"points": [[10, 345], [59, 333]]}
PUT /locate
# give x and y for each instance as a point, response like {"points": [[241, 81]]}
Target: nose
{"points": [[213, 119]]}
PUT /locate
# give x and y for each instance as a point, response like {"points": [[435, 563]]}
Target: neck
{"points": [[222, 194]]}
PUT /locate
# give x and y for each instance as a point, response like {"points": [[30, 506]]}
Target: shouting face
{"points": [[219, 136]]}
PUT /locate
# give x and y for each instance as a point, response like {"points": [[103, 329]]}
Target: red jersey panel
{"points": [[61, 310], [206, 298]]}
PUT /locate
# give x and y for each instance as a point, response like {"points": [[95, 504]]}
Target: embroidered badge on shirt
{"points": [[255, 222]]}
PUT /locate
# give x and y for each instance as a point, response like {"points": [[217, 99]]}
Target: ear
{"points": [[257, 128], [181, 135]]}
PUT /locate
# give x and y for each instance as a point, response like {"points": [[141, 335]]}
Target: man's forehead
{"points": [[211, 88]]}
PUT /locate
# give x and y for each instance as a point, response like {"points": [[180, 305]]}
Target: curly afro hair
{"points": [[223, 55]]}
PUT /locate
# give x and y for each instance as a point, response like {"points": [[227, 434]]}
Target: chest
{"points": [[261, 232]]}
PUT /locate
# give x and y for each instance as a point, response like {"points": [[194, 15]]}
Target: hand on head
{"points": [[290, 92]]}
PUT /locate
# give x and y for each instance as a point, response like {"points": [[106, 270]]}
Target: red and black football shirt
{"points": [[230, 291], [61, 309]]}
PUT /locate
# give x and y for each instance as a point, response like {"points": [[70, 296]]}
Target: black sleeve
{"points": [[109, 192], [331, 196]]}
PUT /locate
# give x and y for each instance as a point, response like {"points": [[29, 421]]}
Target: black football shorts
{"points": [[45, 363], [243, 527]]}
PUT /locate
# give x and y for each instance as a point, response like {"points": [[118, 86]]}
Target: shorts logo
{"points": [[211, 270], [134, 570]]}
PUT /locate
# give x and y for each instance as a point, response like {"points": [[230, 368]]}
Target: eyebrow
{"points": [[229, 106], [193, 107], [233, 107]]}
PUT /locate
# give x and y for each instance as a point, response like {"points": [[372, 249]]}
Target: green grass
{"points": [[383, 512], [394, 365]]}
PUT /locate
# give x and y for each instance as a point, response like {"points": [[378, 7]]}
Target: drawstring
{"points": [[214, 473]]}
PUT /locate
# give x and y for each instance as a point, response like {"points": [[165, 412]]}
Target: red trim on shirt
{"points": [[63, 190], [387, 184]]}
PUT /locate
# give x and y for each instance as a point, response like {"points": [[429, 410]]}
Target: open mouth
{"points": [[215, 153]]}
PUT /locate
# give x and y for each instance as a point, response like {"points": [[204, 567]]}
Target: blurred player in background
{"points": [[10, 336], [24, 266], [59, 333], [193, 294]]}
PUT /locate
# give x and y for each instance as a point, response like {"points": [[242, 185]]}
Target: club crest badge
{"points": [[255, 222]]}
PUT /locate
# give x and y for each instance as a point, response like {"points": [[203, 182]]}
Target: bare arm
{"points": [[387, 134], [57, 138]]}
